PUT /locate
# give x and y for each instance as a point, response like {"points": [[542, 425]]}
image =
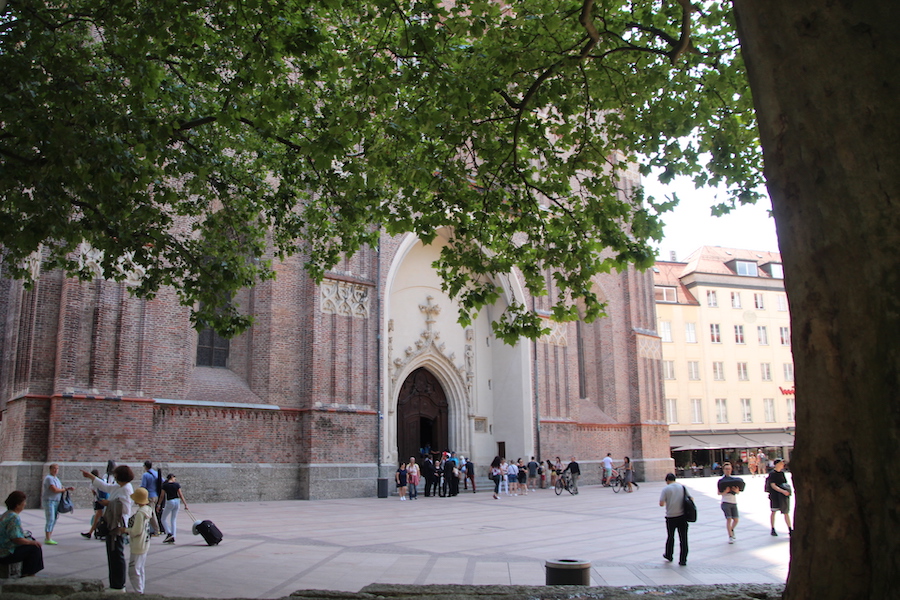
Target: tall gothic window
{"points": [[212, 349]]}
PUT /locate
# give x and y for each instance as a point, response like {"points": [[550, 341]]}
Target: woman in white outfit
{"points": [[171, 491]]}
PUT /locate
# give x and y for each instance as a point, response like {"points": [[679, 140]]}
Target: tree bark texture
{"points": [[825, 78]]}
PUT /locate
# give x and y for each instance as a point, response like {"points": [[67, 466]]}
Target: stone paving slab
{"points": [[272, 549]]}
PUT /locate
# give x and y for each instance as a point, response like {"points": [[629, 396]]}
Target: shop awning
{"points": [[717, 441]]}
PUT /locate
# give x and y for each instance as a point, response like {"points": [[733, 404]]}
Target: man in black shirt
{"points": [[779, 495], [573, 470]]}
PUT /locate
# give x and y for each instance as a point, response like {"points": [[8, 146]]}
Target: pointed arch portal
{"points": [[422, 414]]}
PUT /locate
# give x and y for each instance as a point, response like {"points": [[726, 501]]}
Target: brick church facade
{"points": [[331, 385]]}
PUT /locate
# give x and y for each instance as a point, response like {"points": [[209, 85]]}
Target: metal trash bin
{"points": [[382, 487], [568, 571]]}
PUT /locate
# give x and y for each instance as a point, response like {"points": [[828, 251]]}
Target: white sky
{"points": [[691, 225]]}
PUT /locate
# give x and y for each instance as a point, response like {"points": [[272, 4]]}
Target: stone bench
{"points": [[11, 570]]}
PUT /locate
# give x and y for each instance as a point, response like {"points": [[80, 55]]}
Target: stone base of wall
{"points": [[212, 482], [653, 469]]}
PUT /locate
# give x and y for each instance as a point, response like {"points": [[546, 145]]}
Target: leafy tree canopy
{"points": [[190, 142]]}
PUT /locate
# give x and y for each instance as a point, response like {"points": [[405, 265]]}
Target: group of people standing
{"points": [[442, 475], [119, 511]]}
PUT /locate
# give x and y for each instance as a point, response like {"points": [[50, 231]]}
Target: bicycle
{"points": [[615, 481], [565, 481]]}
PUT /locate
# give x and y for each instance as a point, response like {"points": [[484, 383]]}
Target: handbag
{"points": [[690, 509], [65, 504], [102, 529]]}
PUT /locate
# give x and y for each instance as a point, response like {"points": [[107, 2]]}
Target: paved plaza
{"points": [[271, 549]]}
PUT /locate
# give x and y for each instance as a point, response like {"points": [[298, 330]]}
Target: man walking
{"points": [[672, 497], [728, 488], [779, 495]]}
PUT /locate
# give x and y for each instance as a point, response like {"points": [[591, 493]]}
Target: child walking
{"points": [[141, 526]]}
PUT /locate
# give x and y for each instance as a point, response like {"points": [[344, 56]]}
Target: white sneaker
{"points": [[731, 540]]}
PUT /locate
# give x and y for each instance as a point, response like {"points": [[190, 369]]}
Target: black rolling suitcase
{"points": [[207, 529]]}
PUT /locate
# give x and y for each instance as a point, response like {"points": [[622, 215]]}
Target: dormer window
{"points": [[666, 294], [775, 270], [745, 268]]}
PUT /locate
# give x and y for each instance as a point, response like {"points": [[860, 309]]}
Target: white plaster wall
{"points": [[501, 389]]}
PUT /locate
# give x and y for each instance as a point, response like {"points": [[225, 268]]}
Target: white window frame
{"points": [[665, 331], [671, 410], [762, 333], [696, 410], [769, 406], [743, 374], [694, 370], [735, 300], [668, 368], [715, 333], [690, 333], [785, 335], [789, 372], [746, 268], [746, 411], [759, 301], [776, 270], [719, 371], [667, 294], [765, 370], [721, 410], [781, 302], [712, 299], [738, 334], [789, 403]]}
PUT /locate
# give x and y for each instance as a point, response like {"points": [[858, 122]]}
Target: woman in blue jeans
{"points": [[51, 493], [171, 491]]}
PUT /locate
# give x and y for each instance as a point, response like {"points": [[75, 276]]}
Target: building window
{"points": [[766, 371], [763, 335], [665, 331], [671, 410], [721, 410], [785, 333], [693, 370], [776, 270], [719, 371], [212, 349], [745, 268], [696, 410], [790, 409], [782, 303], [742, 371], [712, 300], [746, 414], [714, 334], [789, 371], [666, 294], [735, 299], [769, 404], [759, 302], [690, 333], [668, 369], [738, 334]]}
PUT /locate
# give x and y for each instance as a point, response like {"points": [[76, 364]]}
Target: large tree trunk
{"points": [[825, 78]]}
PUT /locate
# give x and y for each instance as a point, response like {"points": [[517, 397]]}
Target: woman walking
{"points": [[495, 475], [174, 499], [628, 470], [412, 475]]}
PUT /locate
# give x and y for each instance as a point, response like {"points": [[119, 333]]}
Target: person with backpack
{"points": [[779, 496], [673, 498]]}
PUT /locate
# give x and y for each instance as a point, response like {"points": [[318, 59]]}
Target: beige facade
{"points": [[728, 371]]}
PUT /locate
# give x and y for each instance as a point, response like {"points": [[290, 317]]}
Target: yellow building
{"points": [[727, 367]]}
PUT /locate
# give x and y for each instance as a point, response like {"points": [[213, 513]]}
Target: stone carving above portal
{"points": [[344, 299], [429, 342]]}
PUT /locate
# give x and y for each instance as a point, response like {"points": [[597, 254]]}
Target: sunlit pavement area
{"points": [[271, 549]]}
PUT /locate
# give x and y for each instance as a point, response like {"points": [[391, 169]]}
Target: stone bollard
{"points": [[568, 571]]}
